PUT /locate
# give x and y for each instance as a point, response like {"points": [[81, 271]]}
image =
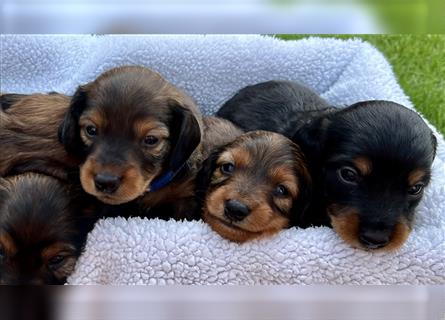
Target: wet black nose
{"points": [[107, 183], [374, 239], [235, 210]]}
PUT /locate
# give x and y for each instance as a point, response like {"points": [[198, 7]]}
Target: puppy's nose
{"points": [[107, 183], [235, 210], [374, 239]]}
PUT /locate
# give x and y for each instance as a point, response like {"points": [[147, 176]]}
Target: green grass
{"points": [[419, 64]]}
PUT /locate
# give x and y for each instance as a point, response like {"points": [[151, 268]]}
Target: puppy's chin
{"points": [[133, 185], [346, 222], [243, 231], [229, 230]]}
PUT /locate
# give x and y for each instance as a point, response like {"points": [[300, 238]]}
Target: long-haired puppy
{"points": [[132, 134], [28, 135], [370, 161], [43, 228], [135, 135], [254, 186]]}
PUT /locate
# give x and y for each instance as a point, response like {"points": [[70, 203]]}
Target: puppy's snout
{"points": [[107, 183], [235, 210], [374, 239]]}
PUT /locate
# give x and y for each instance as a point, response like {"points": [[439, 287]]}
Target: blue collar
{"points": [[164, 179]]}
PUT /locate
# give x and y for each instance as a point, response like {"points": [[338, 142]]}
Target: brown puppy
{"points": [[28, 135], [136, 136], [43, 228], [133, 135], [254, 186], [37, 149], [216, 133]]}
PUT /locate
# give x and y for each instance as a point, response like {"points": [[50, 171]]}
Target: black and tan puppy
{"points": [[28, 135], [254, 186], [131, 134], [43, 228], [135, 135], [370, 161]]}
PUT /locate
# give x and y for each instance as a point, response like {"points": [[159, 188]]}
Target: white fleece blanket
{"points": [[211, 69]]}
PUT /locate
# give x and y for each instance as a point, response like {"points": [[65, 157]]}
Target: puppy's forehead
{"points": [[126, 109], [36, 208], [381, 129], [269, 149], [125, 97], [261, 150], [129, 82]]}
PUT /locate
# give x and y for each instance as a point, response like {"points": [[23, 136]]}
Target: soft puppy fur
{"points": [[253, 186], [28, 135], [370, 161], [136, 136], [124, 106], [217, 132], [43, 228]]}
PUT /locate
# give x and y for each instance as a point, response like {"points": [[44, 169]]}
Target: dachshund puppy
{"points": [[135, 134], [43, 228], [254, 186], [131, 134], [28, 135], [370, 161]]}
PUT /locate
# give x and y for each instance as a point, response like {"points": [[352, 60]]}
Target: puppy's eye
{"points": [[91, 131], [150, 141], [416, 189], [281, 191], [348, 175], [56, 262], [227, 168]]}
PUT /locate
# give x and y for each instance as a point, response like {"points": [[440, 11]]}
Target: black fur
{"points": [[185, 133], [279, 106], [393, 138], [69, 130]]}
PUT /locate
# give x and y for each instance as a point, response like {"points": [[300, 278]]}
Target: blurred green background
{"points": [[393, 16], [419, 64]]}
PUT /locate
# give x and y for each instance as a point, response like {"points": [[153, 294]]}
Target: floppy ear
{"points": [[311, 138], [185, 135], [69, 134], [300, 209], [204, 177]]}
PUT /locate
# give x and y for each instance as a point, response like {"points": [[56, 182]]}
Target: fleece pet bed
{"points": [[211, 69]]}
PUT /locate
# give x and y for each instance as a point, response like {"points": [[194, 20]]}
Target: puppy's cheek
{"points": [[214, 203], [67, 269], [224, 231], [133, 185], [346, 225], [264, 220], [214, 207], [87, 177], [399, 236]]}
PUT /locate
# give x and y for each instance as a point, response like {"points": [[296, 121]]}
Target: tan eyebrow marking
{"points": [[415, 176], [364, 165]]}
